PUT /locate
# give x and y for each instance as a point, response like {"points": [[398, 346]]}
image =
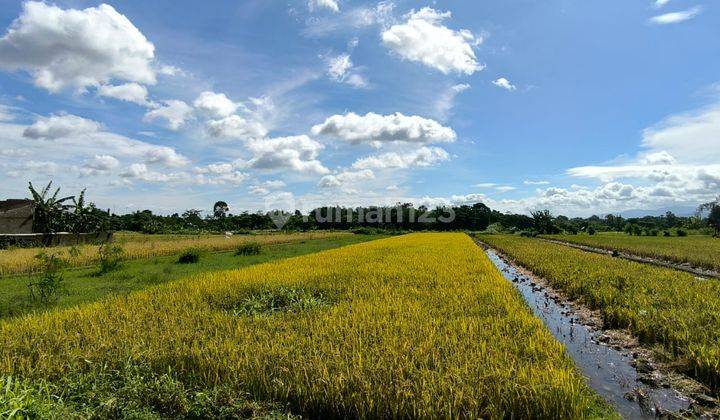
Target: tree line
{"points": [[74, 214]]}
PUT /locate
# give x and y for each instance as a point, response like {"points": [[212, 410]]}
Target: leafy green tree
{"points": [[543, 222], [713, 209]]}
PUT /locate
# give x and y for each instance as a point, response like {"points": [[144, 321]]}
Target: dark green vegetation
{"points": [[189, 256], [90, 284], [248, 249], [132, 391]]}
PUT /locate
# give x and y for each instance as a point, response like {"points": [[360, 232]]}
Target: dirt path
{"points": [[637, 258]]}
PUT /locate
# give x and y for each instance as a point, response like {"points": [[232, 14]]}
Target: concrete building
{"points": [[16, 216]]}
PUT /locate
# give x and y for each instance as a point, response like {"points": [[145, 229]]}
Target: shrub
{"points": [[591, 230], [49, 284], [189, 256], [528, 233], [252, 248], [666, 233], [110, 256], [681, 232], [365, 231]]}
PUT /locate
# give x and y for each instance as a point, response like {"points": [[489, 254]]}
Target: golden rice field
{"points": [[418, 326], [697, 250], [136, 246], [659, 305]]}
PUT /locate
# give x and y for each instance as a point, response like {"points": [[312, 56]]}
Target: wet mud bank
{"points": [[698, 271], [615, 365]]}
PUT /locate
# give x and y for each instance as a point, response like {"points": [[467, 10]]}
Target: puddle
{"points": [[608, 370]]}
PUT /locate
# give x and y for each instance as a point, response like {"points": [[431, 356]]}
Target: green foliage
{"points": [[543, 222], [190, 256], [591, 230], [131, 391], [110, 256], [252, 248], [49, 209], [48, 284], [681, 232], [283, 299]]}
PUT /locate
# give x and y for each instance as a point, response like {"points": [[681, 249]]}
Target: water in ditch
{"points": [[608, 370]]}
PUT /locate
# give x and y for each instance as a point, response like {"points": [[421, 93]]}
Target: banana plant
{"points": [[49, 209]]}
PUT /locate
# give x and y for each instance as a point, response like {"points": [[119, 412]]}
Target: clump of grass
{"points": [[252, 248], [48, 285], [131, 391], [283, 299], [189, 256], [110, 256]]}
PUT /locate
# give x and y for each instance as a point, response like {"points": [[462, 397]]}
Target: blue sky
{"points": [[580, 107]]}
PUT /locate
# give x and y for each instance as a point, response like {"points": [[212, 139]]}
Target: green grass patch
{"points": [[88, 285]]}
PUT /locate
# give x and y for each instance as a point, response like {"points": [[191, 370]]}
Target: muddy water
{"points": [[608, 371]]}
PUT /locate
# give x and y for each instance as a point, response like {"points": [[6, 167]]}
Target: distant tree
{"points": [[543, 221], [49, 209], [713, 209], [220, 209], [192, 218]]}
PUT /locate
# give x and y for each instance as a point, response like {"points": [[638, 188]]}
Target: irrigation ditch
{"points": [[616, 366], [698, 271]]}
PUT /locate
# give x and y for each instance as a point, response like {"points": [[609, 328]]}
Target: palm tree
{"points": [[48, 209]]}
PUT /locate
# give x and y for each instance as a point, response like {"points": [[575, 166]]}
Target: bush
{"points": [[189, 256], [110, 257], [666, 233], [591, 230], [365, 231], [49, 284], [653, 232], [252, 248], [681, 232], [528, 233]]}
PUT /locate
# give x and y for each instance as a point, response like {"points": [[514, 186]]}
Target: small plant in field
{"points": [[189, 256], [252, 248], [280, 300], [49, 284], [110, 256]]}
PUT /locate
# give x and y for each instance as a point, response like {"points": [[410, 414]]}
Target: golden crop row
{"points": [[698, 250], [23, 260], [659, 305], [418, 326]]}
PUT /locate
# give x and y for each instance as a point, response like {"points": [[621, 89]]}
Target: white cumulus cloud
{"points": [[296, 153], [423, 38], [372, 128], [173, 111], [130, 92], [76, 48], [422, 157], [215, 104], [346, 177], [236, 127], [62, 125], [324, 4], [504, 84]]}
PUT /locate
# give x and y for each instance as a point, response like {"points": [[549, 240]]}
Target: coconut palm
{"points": [[48, 208]]}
